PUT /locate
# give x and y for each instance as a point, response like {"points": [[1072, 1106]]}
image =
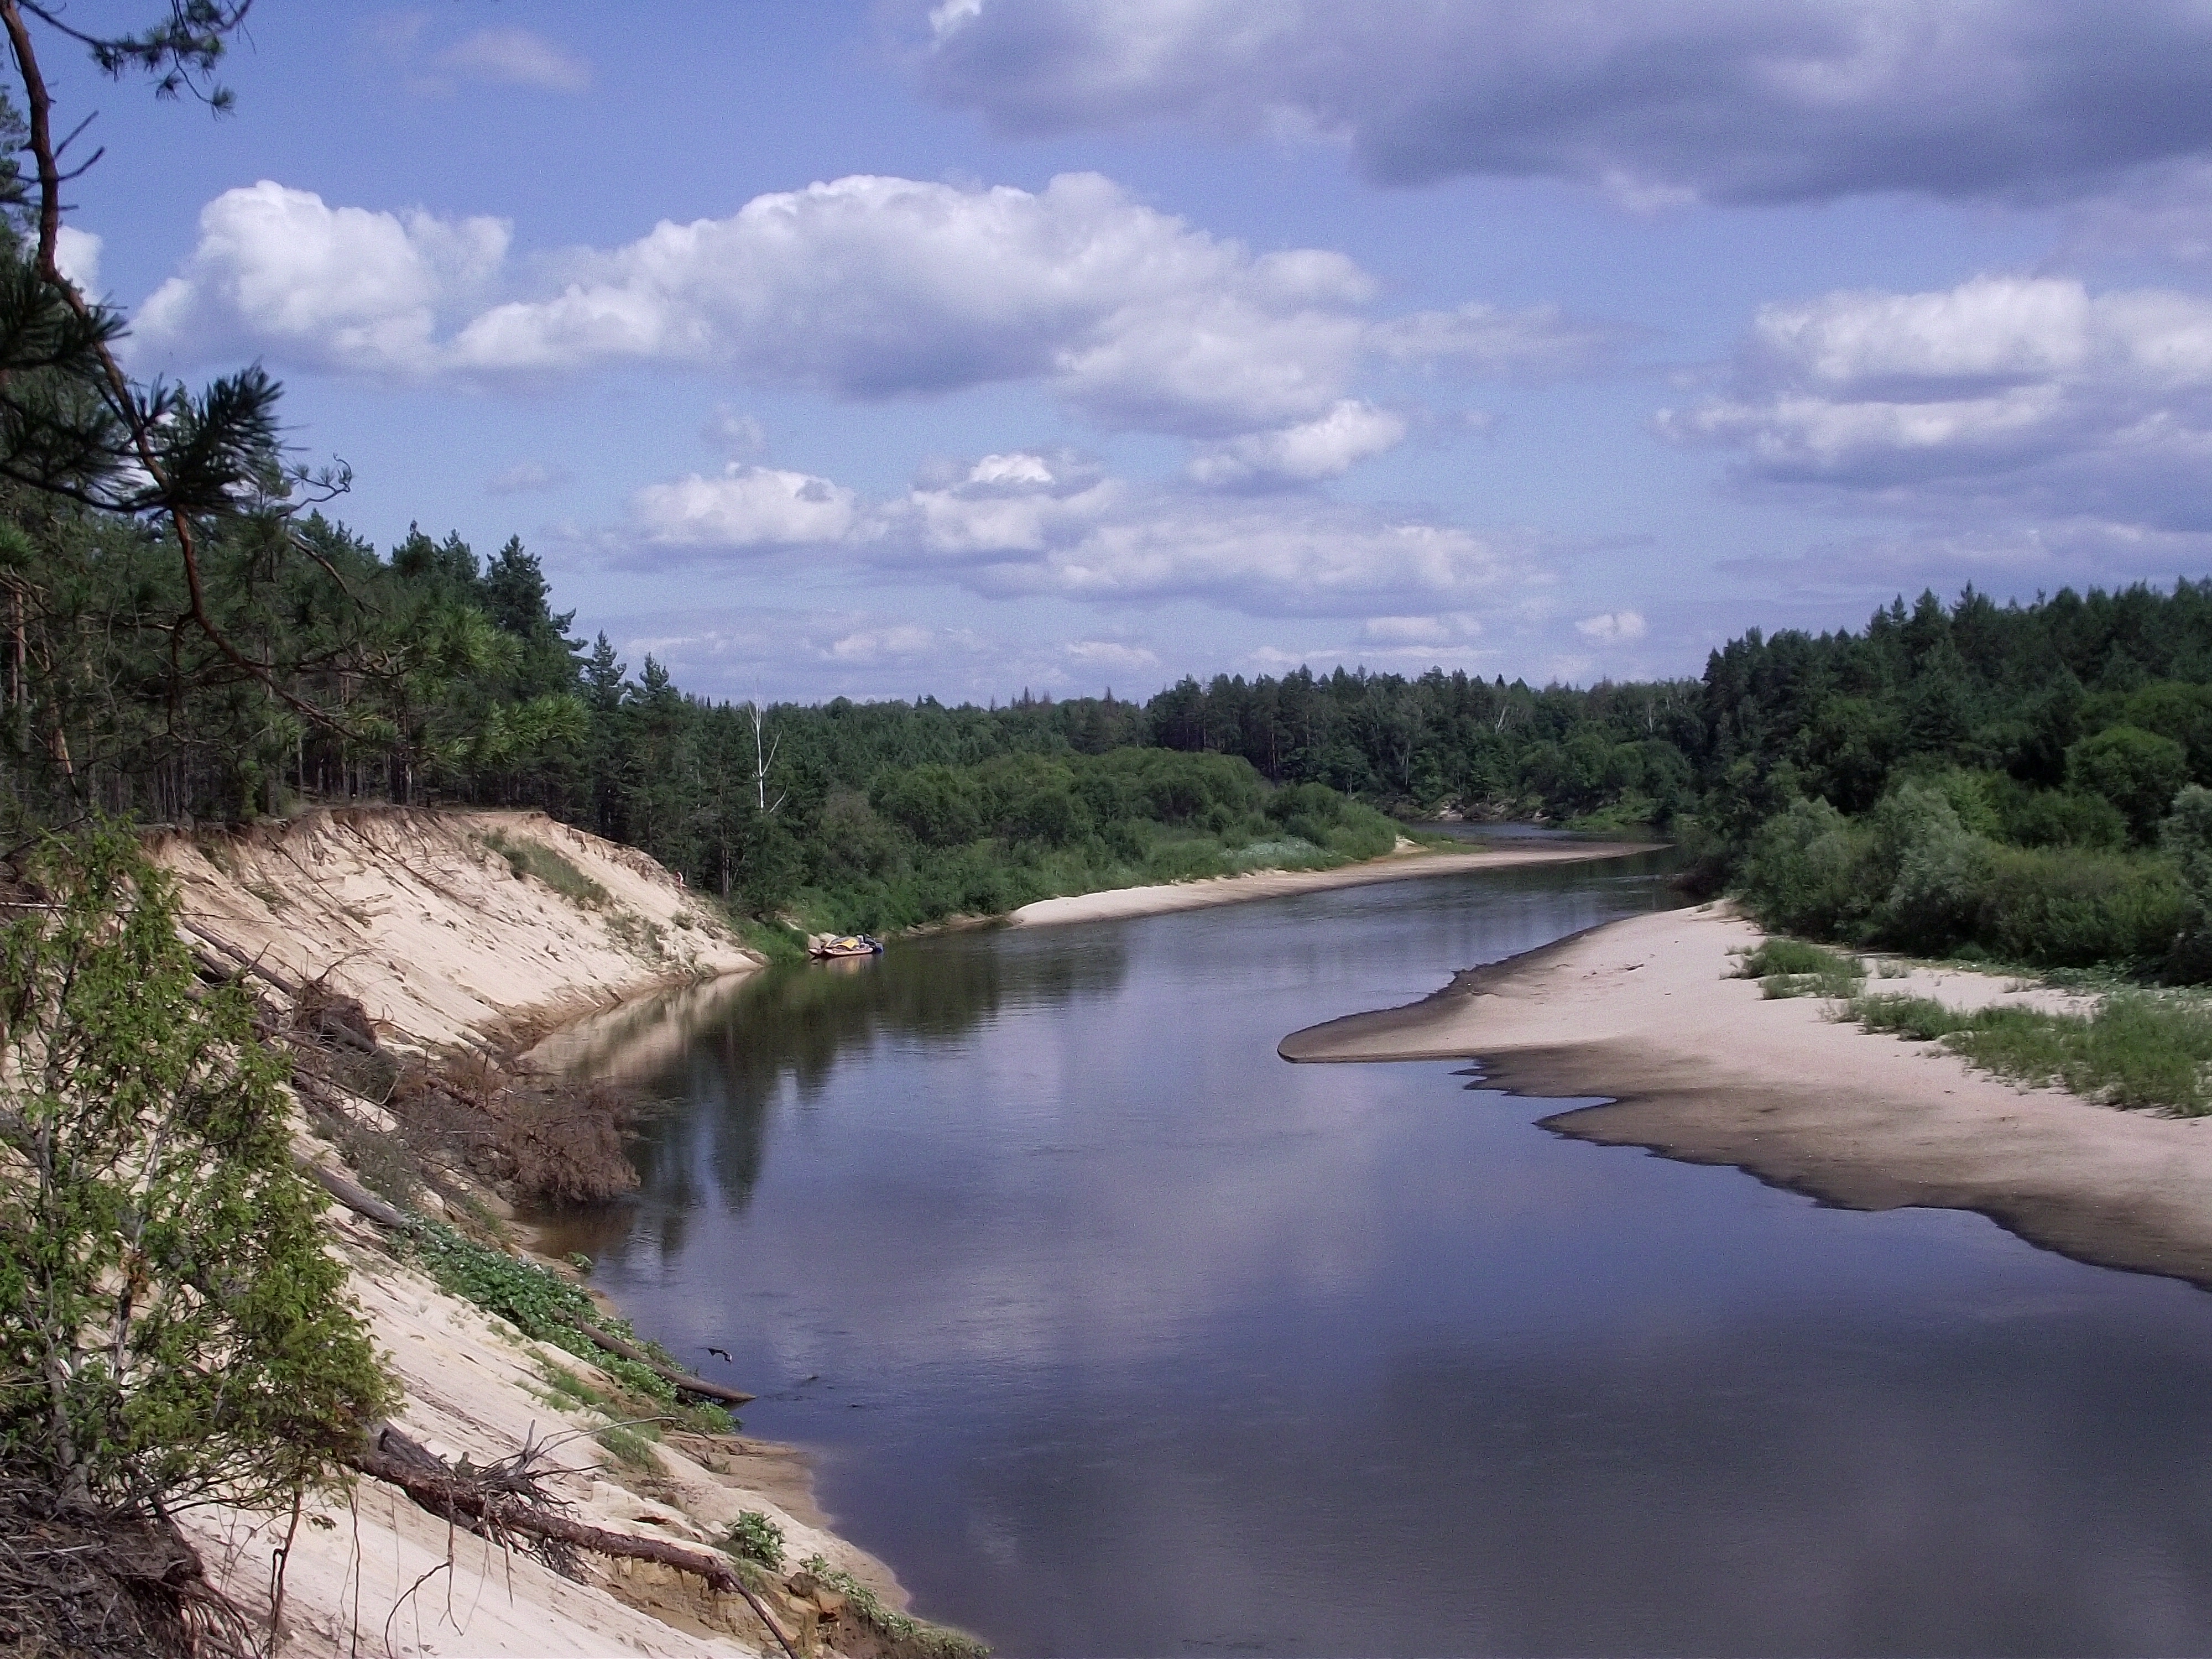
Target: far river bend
{"points": [[1118, 1335]]}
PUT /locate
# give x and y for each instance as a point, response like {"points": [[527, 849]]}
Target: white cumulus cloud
{"points": [[518, 58], [525, 477], [1020, 523], [1490, 340], [863, 287], [746, 507], [345, 289], [870, 287], [1112, 656], [1014, 503], [1030, 524], [77, 252], [2032, 395], [1611, 626], [1349, 432]]}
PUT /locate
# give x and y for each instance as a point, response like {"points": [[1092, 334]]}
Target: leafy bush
{"points": [[2073, 909], [1810, 870], [2138, 772], [753, 1537], [939, 840], [537, 1302], [1912, 875], [1937, 868], [2056, 817], [172, 1325]]}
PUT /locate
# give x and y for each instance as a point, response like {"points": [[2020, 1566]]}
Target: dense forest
{"points": [[2025, 760]]}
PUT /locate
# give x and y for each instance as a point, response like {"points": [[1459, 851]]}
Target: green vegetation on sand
{"points": [[2137, 1050]]}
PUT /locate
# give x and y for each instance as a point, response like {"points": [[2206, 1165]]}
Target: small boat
{"points": [[845, 945]]}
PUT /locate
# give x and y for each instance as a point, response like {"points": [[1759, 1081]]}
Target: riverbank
{"points": [[1700, 1066], [461, 937], [1408, 861]]}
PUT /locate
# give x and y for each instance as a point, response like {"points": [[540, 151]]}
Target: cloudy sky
{"points": [[825, 346]]}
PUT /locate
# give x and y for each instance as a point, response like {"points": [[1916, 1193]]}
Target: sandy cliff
{"points": [[445, 925], [480, 929]]}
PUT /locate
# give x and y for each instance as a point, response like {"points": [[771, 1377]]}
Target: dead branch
{"points": [[684, 1380], [467, 1495], [246, 964], [357, 1198]]}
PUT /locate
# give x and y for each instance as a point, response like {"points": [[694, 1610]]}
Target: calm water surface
{"points": [[1118, 1335]]}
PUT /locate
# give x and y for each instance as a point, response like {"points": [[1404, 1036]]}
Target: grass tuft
{"points": [[2136, 1051], [1791, 968], [531, 858], [630, 1447]]}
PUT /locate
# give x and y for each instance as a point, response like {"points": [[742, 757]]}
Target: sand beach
{"points": [[1696, 1064], [1406, 862]]}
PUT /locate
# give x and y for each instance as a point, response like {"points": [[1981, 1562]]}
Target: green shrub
{"points": [[2056, 817], [939, 840], [173, 1324], [2187, 837], [773, 940], [753, 1537], [1810, 870], [537, 1302], [527, 858], [2136, 770], [2074, 908], [1912, 875], [1929, 867]]}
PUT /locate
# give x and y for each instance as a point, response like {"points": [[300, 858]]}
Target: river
{"points": [[1118, 1335]]}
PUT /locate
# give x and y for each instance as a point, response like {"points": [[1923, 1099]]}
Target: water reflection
{"points": [[1118, 1335], [709, 1063]]}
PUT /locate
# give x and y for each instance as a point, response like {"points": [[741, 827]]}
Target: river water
{"points": [[1118, 1335]]}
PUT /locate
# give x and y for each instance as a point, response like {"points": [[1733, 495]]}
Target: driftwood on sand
{"points": [[506, 1499]]}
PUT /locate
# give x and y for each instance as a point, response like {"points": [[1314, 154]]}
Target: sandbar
{"points": [[1406, 862], [1697, 1065]]}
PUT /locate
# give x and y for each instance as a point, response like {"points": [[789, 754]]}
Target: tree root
{"points": [[105, 1586]]}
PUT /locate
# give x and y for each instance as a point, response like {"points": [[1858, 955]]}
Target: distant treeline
{"points": [[2033, 753]]}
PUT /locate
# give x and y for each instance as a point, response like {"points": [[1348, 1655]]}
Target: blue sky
{"points": [[878, 349]]}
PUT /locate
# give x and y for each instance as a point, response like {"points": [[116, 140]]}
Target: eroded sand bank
{"points": [[427, 918], [1700, 1066], [1408, 862]]}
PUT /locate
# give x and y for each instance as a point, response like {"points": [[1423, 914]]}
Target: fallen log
{"points": [[453, 1496], [684, 1380], [393, 1457], [248, 964], [357, 1198]]}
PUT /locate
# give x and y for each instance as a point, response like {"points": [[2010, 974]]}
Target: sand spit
{"points": [[1408, 861], [423, 917], [1700, 1066]]}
